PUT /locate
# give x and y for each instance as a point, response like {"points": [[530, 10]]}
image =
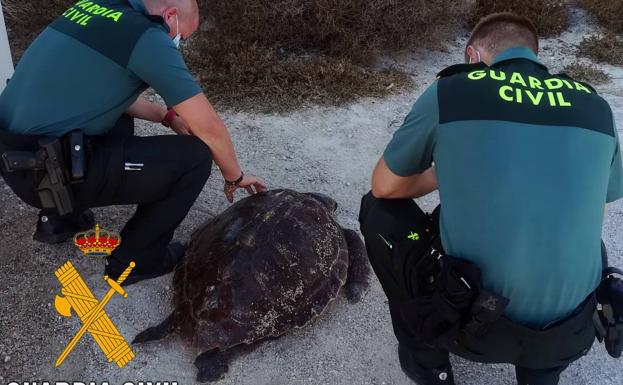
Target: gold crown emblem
{"points": [[97, 243]]}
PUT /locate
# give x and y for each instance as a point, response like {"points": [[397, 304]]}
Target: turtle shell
{"points": [[270, 263]]}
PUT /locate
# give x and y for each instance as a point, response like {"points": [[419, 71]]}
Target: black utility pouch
{"points": [[609, 315], [437, 315]]}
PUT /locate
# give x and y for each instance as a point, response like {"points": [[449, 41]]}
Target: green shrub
{"points": [[551, 17], [608, 12]]}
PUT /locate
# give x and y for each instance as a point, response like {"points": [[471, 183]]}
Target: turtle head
{"points": [[327, 201]]}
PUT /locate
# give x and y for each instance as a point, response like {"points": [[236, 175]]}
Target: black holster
{"points": [[53, 190], [62, 162]]}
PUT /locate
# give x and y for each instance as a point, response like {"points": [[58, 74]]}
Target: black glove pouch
{"points": [[443, 302]]}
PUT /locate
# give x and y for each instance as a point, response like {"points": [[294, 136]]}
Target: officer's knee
{"points": [[199, 150], [202, 158], [367, 201], [193, 153]]}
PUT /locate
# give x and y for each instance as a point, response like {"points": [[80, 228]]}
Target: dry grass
{"points": [[280, 54], [586, 73], [264, 80], [25, 20], [275, 55], [356, 29], [606, 49], [551, 17], [608, 12]]}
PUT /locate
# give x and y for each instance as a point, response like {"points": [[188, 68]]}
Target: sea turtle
{"points": [[270, 263]]}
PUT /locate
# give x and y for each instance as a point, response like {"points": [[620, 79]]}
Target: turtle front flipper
{"points": [[155, 333], [358, 279], [212, 365]]}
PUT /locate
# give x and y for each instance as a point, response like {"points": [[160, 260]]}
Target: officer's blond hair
{"points": [[500, 31]]}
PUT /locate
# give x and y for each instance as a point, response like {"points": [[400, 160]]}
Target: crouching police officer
{"points": [[85, 72], [505, 271]]}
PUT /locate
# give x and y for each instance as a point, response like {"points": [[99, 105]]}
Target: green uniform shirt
{"points": [[86, 68], [525, 162]]}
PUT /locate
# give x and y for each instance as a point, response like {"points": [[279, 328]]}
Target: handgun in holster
{"points": [[54, 188], [609, 315]]}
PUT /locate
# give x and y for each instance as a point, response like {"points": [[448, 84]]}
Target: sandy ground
{"points": [[331, 150]]}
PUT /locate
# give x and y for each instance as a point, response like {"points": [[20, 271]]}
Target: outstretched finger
{"points": [[260, 186]]}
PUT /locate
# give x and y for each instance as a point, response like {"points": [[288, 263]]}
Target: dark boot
{"points": [[53, 228], [174, 255], [421, 375]]}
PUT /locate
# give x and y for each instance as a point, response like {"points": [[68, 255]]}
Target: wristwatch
{"points": [[168, 118]]}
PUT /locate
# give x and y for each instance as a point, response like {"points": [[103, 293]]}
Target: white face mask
{"points": [[470, 58], [178, 36]]}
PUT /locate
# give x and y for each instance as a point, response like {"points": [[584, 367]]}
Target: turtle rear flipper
{"points": [[357, 282], [155, 333]]}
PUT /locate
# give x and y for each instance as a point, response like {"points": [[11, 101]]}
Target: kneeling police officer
{"points": [[66, 128], [506, 270]]}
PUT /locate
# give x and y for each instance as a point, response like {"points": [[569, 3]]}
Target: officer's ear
{"points": [[169, 15], [472, 55]]}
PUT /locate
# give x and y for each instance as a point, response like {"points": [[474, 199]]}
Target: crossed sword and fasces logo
{"points": [[77, 296]]}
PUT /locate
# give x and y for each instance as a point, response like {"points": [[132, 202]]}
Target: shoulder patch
{"points": [[522, 92], [460, 68], [110, 27]]}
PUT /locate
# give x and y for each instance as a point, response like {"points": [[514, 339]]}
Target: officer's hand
{"points": [[180, 127], [251, 183]]}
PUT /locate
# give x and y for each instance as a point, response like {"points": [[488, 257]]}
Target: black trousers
{"points": [[173, 171], [387, 226]]}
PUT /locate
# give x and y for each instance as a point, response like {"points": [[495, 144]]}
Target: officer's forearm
{"points": [[222, 151], [146, 110], [426, 183], [387, 185], [205, 124]]}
